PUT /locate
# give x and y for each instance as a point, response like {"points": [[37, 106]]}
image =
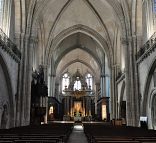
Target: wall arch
{"points": [[146, 90], [82, 29], [152, 109], [121, 106], [75, 47], [77, 60], [9, 104]]}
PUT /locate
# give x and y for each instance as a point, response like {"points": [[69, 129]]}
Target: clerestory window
{"points": [[65, 82], [89, 81]]}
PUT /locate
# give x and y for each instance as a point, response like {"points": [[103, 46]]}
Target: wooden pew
{"points": [[53, 133]]}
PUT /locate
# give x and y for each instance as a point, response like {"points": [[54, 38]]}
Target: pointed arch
{"points": [[10, 92], [82, 29], [147, 85]]}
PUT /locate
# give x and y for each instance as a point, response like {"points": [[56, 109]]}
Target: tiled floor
{"points": [[77, 135]]}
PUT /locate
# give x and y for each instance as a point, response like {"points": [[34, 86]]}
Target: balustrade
{"points": [[147, 47], [8, 46]]}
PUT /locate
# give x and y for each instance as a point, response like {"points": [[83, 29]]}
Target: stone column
{"points": [[87, 103], [129, 116], [84, 109], [67, 105], [25, 75], [89, 106], [1, 112], [96, 96], [52, 85], [29, 46], [114, 91], [25, 44], [19, 41], [103, 85], [71, 106], [57, 91]]}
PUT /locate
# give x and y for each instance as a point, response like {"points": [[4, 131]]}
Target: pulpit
{"points": [[39, 95]]}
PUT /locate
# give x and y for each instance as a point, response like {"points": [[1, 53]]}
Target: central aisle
{"points": [[77, 135]]}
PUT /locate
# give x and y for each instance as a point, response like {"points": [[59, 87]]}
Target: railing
{"points": [[8, 46], [147, 46]]}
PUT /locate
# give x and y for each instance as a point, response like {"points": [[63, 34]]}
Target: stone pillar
{"points": [[67, 105], [50, 85], [114, 72], [19, 41], [103, 85], [89, 106], [96, 96], [71, 106], [22, 83], [57, 91], [135, 83], [34, 54], [52, 88], [28, 76], [84, 110], [1, 112], [129, 82]]}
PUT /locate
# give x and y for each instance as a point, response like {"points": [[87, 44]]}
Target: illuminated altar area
{"points": [[78, 98]]}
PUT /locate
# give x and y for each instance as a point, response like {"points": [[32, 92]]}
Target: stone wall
{"points": [[121, 94], [143, 70], [146, 86], [8, 89]]}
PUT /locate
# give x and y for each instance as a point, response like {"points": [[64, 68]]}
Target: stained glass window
{"points": [[65, 81], [154, 6], [89, 80], [1, 11]]}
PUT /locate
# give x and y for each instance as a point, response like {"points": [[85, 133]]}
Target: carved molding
{"points": [[147, 49], [8, 46]]}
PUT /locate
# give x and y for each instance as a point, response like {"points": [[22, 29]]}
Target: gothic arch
{"points": [[77, 60], [10, 105], [146, 90], [152, 109], [75, 47], [82, 29]]}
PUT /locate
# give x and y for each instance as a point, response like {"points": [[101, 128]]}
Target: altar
{"points": [[77, 118], [78, 109], [78, 99]]}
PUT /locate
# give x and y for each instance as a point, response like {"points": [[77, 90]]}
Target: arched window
{"points": [[65, 82], [6, 16], [89, 81], [77, 85], [1, 11], [154, 6]]}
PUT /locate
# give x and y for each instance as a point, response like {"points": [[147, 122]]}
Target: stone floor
{"points": [[77, 135]]}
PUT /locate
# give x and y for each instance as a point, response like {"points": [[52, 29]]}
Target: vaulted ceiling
{"points": [[79, 49]]}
